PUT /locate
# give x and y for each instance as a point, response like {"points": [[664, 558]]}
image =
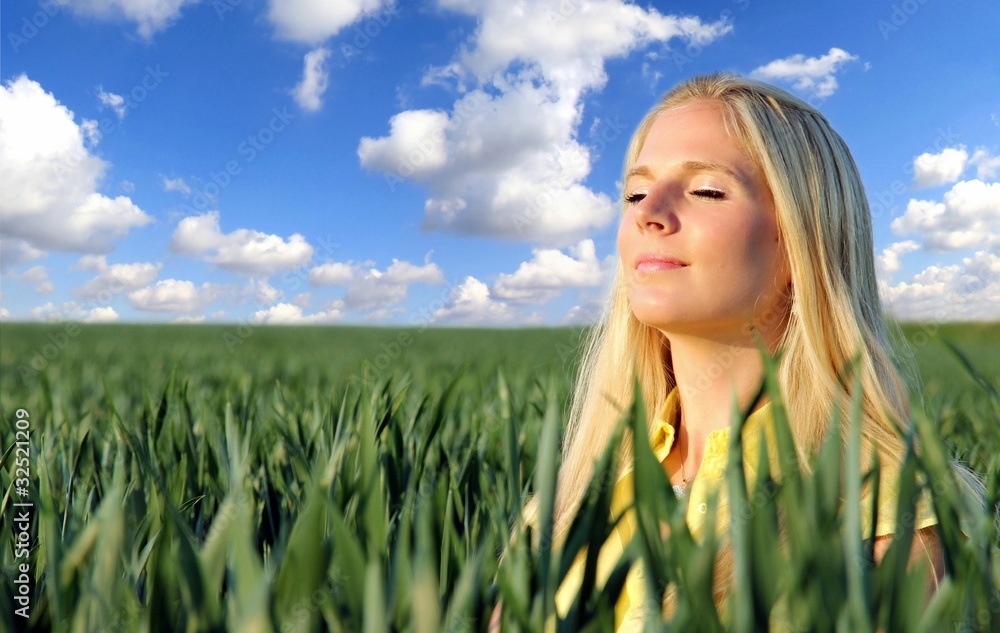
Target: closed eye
{"points": [[712, 194], [635, 198]]}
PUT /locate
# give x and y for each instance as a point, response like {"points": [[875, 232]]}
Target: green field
{"points": [[206, 478]]}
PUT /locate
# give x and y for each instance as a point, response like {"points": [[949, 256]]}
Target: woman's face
{"points": [[699, 239]]}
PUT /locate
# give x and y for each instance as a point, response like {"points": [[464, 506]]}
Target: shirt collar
{"points": [[716, 444]]}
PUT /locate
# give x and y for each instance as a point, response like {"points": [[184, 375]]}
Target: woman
{"points": [[743, 216]]}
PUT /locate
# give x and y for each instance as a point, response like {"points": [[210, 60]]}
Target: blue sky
{"points": [[449, 162]]}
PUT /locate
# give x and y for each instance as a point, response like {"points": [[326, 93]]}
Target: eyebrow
{"points": [[688, 165]]}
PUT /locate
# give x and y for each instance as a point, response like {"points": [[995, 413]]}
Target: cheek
{"points": [[742, 247]]}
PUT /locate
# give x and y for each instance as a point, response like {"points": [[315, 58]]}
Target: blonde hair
{"points": [[824, 222]]}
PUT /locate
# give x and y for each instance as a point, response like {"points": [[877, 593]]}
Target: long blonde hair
{"points": [[823, 220], [825, 224]]}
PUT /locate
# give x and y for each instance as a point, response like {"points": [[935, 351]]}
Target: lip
{"points": [[649, 262]]}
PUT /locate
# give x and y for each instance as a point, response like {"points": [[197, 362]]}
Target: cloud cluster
{"points": [[505, 161], [813, 76], [149, 16], [114, 279], [948, 165], [931, 170], [38, 276], [370, 288], [549, 272], [471, 303], [968, 216], [113, 101], [173, 295], [49, 179], [289, 314], [243, 251], [315, 78], [261, 291], [312, 21], [176, 184], [73, 311], [888, 263], [14, 252], [537, 281], [969, 291]]}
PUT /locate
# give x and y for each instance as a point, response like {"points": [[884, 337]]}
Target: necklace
{"points": [[680, 488]]}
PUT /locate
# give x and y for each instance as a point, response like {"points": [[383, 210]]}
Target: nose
{"points": [[655, 213]]}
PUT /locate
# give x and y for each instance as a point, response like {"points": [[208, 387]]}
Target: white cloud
{"points": [[569, 41], [332, 274], [172, 295], [470, 303], [149, 16], [116, 278], [586, 313], [987, 165], [506, 165], [95, 263], [38, 276], [175, 184], [14, 252], [199, 318], [309, 93], [261, 291], [244, 251], [549, 272], [814, 76], [312, 21], [970, 291], [289, 314], [72, 311], [104, 314], [4, 313], [967, 217], [505, 161], [382, 314], [376, 289], [369, 289], [417, 135], [49, 178], [931, 170], [888, 262], [113, 101]]}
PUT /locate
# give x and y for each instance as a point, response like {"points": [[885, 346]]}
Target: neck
{"points": [[709, 374]]}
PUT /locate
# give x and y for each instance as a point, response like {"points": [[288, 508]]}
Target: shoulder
{"points": [[926, 547]]}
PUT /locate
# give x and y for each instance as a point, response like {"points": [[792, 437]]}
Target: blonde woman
{"points": [[744, 216]]}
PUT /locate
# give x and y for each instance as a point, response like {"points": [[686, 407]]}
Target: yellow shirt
{"points": [[629, 609]]}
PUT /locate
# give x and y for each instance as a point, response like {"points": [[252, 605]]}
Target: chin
{"points": [[657, 315]]}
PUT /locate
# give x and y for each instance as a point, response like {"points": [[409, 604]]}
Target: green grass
{"points": [[194, 478]]}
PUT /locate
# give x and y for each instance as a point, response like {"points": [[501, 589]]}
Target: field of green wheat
{"points": [[211, 478]]}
